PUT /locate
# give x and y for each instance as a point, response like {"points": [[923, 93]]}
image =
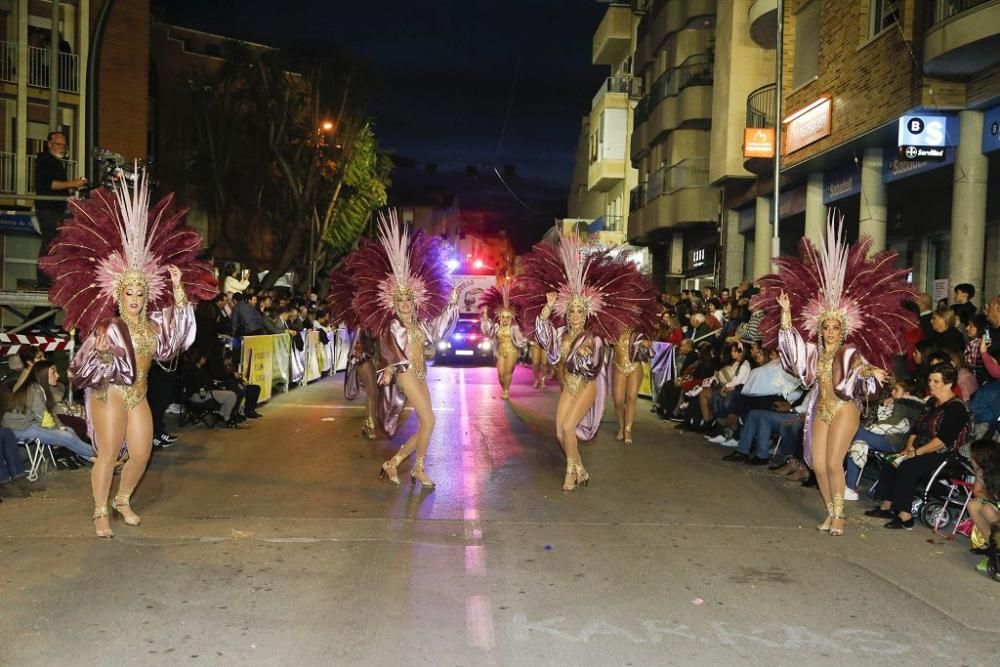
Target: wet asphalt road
{"points": [[277, 545]]}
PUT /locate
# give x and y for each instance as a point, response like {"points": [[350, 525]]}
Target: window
{"points": [[806, 65], [882, 14]]}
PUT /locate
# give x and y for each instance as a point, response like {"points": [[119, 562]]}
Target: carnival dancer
{"points": [[403, 298], [118, 255], [360, 372], [592, 301], [541, 369], [852, 308], [498, 322], [632, 348]]}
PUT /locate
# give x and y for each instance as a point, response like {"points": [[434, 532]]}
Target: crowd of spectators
{"points": [[943, 397]]}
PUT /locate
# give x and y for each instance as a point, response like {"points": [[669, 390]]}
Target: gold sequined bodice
{"points": [[827, 404], [415, 341], [505, 341], [623, 353], [571, 381], [144, 345]]}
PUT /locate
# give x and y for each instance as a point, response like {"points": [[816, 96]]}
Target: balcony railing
{"points": [[945, 9], [68, 70], [622, 84], [641, 113], [8, 172], [8, 62], [762, 106], [640, 6], [70, 172], [691, 172], [613, 223], [637, 197], [697, 70]]}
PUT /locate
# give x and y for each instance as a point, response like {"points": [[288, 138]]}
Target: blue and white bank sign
{"points": [[924, 137]]}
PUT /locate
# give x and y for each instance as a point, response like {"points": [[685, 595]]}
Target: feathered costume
{"points": [[383, 271], [500, 323], [836, 282], [612, 294], [362, 345], [632, 347], [115, 242]]}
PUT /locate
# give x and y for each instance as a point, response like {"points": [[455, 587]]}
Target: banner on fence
{"points": [[259, 362], [312, 352], [283, 350]]}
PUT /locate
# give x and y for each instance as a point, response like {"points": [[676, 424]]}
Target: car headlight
{"points": [[486, 345], [443, 345]]}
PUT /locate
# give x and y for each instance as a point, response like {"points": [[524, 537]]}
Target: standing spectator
{"points": [[51, 181], [963, 307], [974, 330], [926, 306], [944, 336], [235, 283], [247, 320]]}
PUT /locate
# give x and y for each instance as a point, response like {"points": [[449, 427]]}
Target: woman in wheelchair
{"points": [[939, 431]]}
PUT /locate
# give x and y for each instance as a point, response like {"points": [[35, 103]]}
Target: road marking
{"points": [[479, 622], [331, 406]]}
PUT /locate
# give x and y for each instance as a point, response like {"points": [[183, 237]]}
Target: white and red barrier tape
{"points": [[11, 343]]}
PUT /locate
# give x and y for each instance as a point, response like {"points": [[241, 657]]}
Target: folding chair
{"points": [[200, 413], [37, 457]]}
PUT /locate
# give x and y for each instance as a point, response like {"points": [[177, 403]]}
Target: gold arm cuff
{"points": [[865, 371], [105, 357], [180, 298], [546, 312], [786, 320]]}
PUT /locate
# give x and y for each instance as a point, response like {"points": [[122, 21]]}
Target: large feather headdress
{"points": [[398, 266], [496, 300], [611, 291], [115, 240], [837, 281]]}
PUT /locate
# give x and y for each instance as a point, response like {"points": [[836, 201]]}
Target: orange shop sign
{"points": [[758, 142], [807, 125]]}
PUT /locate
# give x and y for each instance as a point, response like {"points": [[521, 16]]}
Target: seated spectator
{"points": [[716, 400], [30, 413], [198, 387], [985, 405], [685, 361], [940, 429], [944, 336], [247, 320], [755, 434], [974, 330], [984, 509], [227, 376], [13, 472], [887, 434]]}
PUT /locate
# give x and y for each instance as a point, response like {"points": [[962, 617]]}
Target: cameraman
{"points": [[51, 180]]}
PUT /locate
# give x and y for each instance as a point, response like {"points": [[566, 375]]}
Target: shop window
{"points": [[882, 14], [806, 66]]}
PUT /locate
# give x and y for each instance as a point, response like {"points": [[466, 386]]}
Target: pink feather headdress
{"points": [[612, 292], [116, 240], [338, 299], [497, 300], [395, 267], [837, 281]]}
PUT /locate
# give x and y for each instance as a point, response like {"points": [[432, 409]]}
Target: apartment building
{"points": [[46, 48], [891, 110]]}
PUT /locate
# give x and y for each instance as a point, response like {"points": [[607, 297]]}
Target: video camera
{"points": [[115, 168]]}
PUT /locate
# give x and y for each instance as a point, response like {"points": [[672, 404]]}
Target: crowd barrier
{"points": [[276, 362]]}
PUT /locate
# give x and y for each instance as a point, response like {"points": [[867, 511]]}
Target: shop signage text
{"points": [[701, 260], [841, 183], [808, 125], [758, 142], [921, 153], [14, 222], [923, 131], [897, 168]]}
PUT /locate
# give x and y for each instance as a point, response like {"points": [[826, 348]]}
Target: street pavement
{"points": [[277, 545]]}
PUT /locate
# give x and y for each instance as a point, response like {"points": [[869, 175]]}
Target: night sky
{"points": [[446, 71]]}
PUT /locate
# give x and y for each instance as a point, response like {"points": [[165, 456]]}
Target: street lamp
{"points": [[326, 126]]}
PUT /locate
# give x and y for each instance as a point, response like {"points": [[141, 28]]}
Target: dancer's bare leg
{"points": [[110, 420], [632, 383], [505, 372], [419, 396], [366, 375], [820, 434], [139, 441], [577, 409], [841, 434], [619, 386], [562, 411]]}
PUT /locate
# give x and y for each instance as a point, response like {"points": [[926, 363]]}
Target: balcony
{"points": [[680, 98], [963, 38], [604, 173], [613, 39], [67, 66], [620, 88], [609, 134], [8, 173], [762, 19], [761, 111], [665, 18], [678, 195], [71, 169]]}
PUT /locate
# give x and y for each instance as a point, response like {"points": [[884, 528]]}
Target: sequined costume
{"points": [[133, 347], [363, 349], [578, 358], [631, 349], [840, 376], [508, 341]]}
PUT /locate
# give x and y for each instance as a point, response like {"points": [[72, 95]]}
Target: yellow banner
{"points": [[258, 363], [312, 346], [646, 386]]}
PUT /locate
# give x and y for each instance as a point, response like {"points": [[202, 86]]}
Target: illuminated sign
{"points": [[923, 131], [758, 142], [808, 125]]}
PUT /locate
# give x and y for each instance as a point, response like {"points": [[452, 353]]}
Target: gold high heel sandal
{"points": [[101, 512], [504, 394], [389, 469], [825, 526], [368, 430], [576, 475], [628, 435], [417, 474], [122, 506], [838, 515]]}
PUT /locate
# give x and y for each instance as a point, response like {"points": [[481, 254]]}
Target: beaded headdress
{"points": [[115, 241]]}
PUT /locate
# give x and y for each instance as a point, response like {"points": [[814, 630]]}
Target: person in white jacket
{"points": [[233, 283]]}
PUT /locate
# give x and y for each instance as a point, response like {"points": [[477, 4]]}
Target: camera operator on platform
{"points": [[51, 180]]}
